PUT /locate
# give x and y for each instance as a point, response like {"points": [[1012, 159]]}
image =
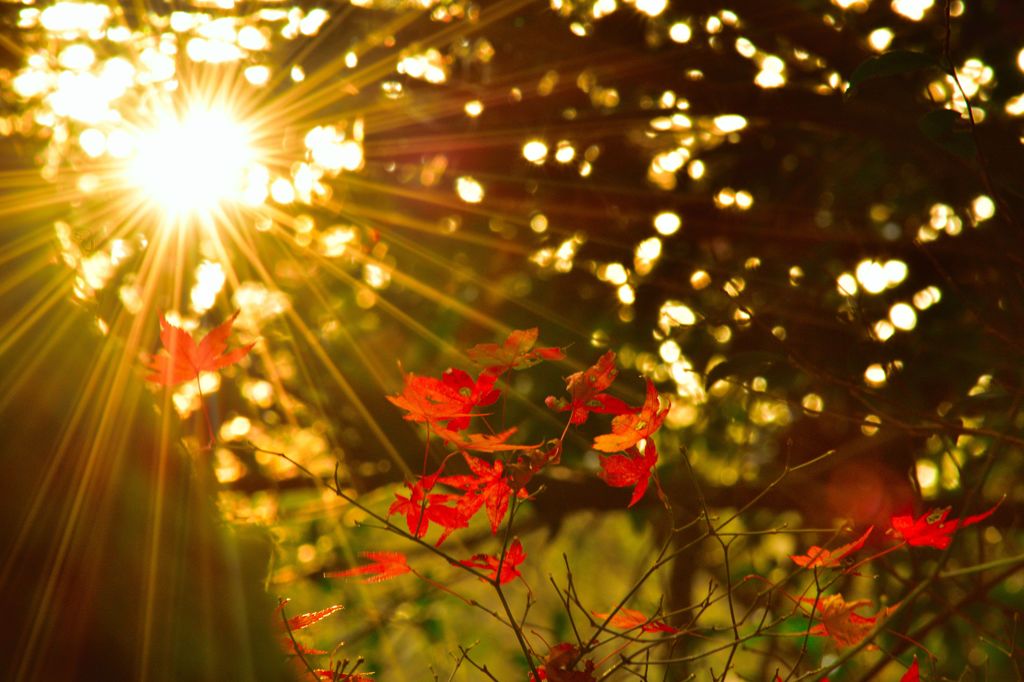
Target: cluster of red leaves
{"points": [[502, 569], [928, 530], [838, 618], [560, 666], [183, 359]]}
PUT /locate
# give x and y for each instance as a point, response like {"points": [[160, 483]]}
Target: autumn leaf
{"points": [[335, 676], [913, 673], [306, 619], [303, 621], [449, 400], [421, 509], [386, 565], [586, 391], [631, 469], [487, 486], [840, 622], [931, 529], [509, 571], [481, 442], [629, 619], [560, 665], [819, 557], [183, 359], [630, 429], [517, 352]]}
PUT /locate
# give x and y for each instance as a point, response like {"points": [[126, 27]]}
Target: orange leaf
{"points": [[386, 565], [184, 359], [819, 557], [630, 429], [840, 622], [628, 619]]}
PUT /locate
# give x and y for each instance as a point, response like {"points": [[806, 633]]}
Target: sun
{"points": [[196, 162]]}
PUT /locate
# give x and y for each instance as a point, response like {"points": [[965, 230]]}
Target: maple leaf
{"points": [[630, 429], [632, 469], [449, 400], [306, 619], [913, 673], [303, 621], [486, 487], [335, 676], [509, 571], [628, 619], [184, 359], [560, 663], [586, 391], [516, 352], [931, 528], [840, 622], [481, 442], [819, 557], [385, 566], [421, 509]]}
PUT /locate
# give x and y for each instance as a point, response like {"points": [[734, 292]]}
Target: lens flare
{"points": [[194, 163]]}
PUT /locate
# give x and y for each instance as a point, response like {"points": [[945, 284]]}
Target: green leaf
{"points": [[948, 129], [743, 365], [891, 64]]}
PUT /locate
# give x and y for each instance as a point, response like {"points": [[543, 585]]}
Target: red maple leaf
{"points": [[385, 566], [303, 621], [421, 509], [630, 429], [586, 391], [913, 673], [516, 353], [819, 557], [508, 568], [931, 529], [631, 469], [335, 676], [449, 400], [487, 486], [184, 359], [840, 622], [560, 665], [629, 619]]}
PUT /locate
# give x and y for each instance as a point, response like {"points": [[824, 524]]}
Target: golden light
{"points": [[193, 163]]}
